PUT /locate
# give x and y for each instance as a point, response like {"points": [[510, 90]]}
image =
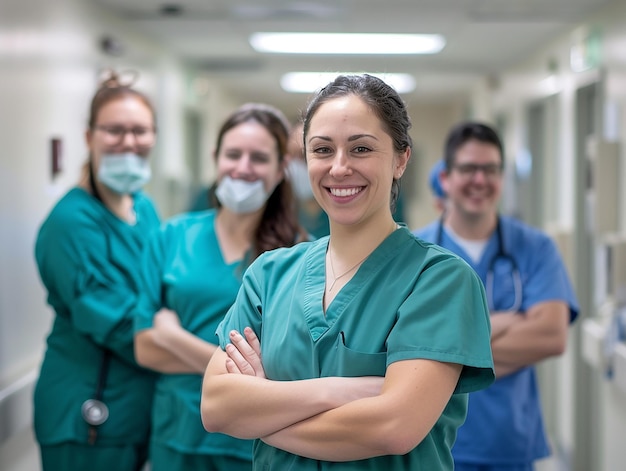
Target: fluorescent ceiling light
{"points": [[345, 43], [307, 82]]}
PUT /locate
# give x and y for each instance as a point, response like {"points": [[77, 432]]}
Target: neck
{"points": [[352, 243], [348, 247], [120, 205], [235, 233], [471, 227], [238, 226]]}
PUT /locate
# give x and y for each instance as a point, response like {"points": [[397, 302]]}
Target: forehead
{"points": [[127, 108], [249, 134], [350, 112], [477, 151]]}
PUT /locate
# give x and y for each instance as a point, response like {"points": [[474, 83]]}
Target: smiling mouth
{"points": [[343, 192]]}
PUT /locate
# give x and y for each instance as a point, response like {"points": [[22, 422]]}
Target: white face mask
{"points": [[299, 178], [241, 196], [124, 173]]}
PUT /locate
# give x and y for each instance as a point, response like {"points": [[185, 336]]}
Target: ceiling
{"points": [[483, 37]]}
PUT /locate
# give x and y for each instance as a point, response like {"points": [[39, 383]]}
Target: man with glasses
{"points": [[529, 294]]}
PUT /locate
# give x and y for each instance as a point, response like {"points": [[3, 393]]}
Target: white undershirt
{"points": [[473, 248]]}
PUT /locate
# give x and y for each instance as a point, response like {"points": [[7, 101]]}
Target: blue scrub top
{"points": [[183, 270], [504, 423], [89, 262], [408, 300]]}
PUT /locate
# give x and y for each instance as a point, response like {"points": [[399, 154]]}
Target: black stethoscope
{"points": [[501, 254]]}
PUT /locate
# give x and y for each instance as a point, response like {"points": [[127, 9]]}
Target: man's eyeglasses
{"points": [[470, 170], [115, 134]]}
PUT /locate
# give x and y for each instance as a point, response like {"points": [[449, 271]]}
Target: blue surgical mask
{"points": [[241, 196], [124, 173], [299, 178]]}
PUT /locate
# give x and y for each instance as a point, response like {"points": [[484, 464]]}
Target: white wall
{"points": [[430, 125]]}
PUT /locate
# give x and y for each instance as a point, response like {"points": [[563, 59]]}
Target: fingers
{"points": [[253, 340], [231, 367], [244, 347], [237, 364], [246, 352]]}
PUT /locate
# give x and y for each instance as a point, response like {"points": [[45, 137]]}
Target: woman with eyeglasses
{"points": [[92, 400]]}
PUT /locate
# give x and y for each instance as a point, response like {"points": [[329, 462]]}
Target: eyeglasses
{"points": [[115, 134], [490, 171]]}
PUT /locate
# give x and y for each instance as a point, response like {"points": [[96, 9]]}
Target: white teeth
{"points": [[345, 191]]}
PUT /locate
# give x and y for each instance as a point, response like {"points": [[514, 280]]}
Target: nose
{"points": [[479, 176], [129, 141], [243, 166], [340, 165]]}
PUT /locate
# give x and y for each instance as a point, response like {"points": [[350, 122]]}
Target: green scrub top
{"points": [[408, 300], [183, 270], [89, 262]]}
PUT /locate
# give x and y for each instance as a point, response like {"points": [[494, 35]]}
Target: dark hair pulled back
{"points": [[382, 99]]}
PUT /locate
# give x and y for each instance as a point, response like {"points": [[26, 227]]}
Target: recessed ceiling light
{"points": [[345, 43], [307, 82]]}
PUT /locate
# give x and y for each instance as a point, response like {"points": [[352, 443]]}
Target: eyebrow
{"points": [[350, 139]]}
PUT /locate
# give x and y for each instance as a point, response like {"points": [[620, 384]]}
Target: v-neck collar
{"points": [[315, 277]]}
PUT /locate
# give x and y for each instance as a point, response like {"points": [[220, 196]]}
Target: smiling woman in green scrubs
{"points": [[92, 400], [192, 271], [359, 347]]}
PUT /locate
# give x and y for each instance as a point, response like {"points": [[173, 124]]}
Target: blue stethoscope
{"points": [[501, 255]]}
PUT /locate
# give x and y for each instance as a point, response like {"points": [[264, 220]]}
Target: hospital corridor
{"points": [[547, 76]]}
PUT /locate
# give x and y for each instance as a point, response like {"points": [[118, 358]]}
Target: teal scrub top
{"points": [[408, 300], [89, 262], [183, 270]]}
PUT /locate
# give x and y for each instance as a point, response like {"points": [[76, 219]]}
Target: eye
{"points": [[116, 130], [361, 149], [321, 150], [140, 131], [259, 157], [232, 154], [492, 169]]}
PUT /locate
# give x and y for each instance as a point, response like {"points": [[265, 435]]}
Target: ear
{"points": [[401, 161], [443, 179]]}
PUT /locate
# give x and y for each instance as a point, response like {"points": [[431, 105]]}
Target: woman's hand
{"points": [[165, 321], [244, 354]]}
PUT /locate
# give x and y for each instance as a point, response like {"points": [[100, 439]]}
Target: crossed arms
{"points": [[519, 340], [334, 418]]}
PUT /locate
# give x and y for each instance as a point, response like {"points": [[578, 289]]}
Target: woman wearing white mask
{"points": [[92, 400], [192, 272]]}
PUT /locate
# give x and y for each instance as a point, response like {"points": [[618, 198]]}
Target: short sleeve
{"points": [[88, 261], [247, 308], [446, 318], [91, 291], [547, 278]]}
